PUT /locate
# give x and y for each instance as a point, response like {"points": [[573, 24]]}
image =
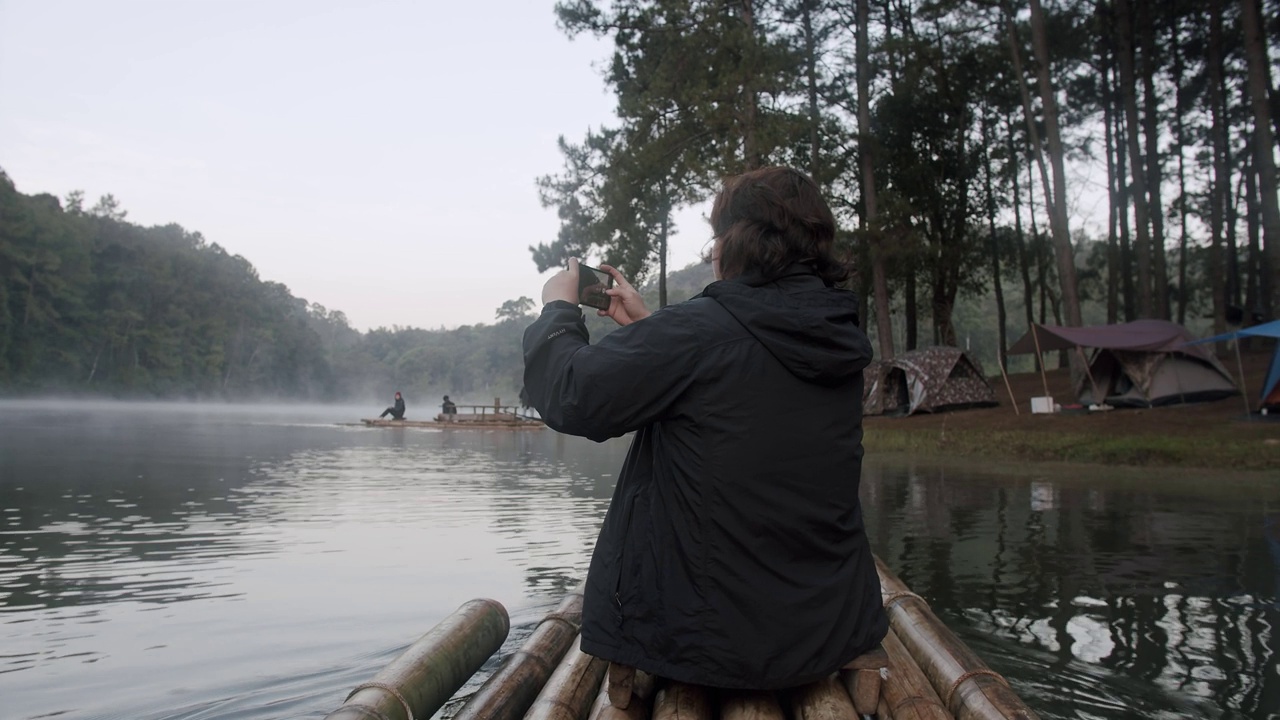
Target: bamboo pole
{"points": [[907, 694], [619, 681], [1244, 389], [681, 701], [425, 676], [1098, 399], [750, 705], [824, 699], [1009, 387], [862, 678], [572, 687], [509, 692], [1044, 377], [968, 687], [640, 696]]}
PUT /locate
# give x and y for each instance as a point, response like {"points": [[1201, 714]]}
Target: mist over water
{"points": [[193, 561]]}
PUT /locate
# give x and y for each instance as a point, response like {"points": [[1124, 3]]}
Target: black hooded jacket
{"points": [[733, 553]]}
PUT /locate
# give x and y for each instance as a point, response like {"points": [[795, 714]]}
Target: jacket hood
{"points": [[810, 328]]}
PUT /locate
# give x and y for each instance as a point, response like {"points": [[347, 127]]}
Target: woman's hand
{"points": [[625, 305], [563, 285]]}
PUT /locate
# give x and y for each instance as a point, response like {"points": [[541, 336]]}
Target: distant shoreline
{"points": [[1210, 436]]}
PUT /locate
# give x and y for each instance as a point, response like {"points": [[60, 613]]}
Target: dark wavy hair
{"points": [[768, 219]]}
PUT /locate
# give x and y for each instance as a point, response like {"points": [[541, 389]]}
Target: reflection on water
{"points": [[1154, 597], [162, 561], [192, 562]]}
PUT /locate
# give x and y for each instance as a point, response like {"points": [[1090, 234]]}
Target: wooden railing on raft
{"points": [[486, 413], [923, 673]]}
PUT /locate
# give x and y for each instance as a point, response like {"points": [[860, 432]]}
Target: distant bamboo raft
{"points": [[502, 422], [497, 415], [921, 672]]}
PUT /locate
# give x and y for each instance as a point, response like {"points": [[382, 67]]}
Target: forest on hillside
{"points": [[953, 138], [92, 304]]}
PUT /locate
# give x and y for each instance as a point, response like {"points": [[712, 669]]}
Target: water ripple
{"points": [[257, 563]]}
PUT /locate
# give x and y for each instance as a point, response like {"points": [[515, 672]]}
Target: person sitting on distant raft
{"points": [[448, 409], [397, 411]]}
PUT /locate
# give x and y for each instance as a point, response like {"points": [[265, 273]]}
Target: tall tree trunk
{"points": [[1042, 279], [1024, 93], [953, 226], [953, 289], [811, 81], [891, 54], [1155, 173], [1037, 252], [1001, 315], [1179, 137], [1113, 249], [1066, 261], [864, 287], [943, 333], [1142, 220], [662, 258], [1232, 212], [1253, 262], [1275, 105], [866, 151], [1024, 264], [911, 310], [1221, 179], [1128, 293], [1264, 144], [751, 154], [1058, 223], [1065, 359]]}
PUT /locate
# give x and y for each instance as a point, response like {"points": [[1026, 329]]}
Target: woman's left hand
{"points": [[563, 285]]}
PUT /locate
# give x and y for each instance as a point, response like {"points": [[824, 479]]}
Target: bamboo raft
{"points": [[496, 415], [519, 423], [921, 672]]}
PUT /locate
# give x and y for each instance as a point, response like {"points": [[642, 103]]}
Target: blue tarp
{"points": [[1270, 387]]}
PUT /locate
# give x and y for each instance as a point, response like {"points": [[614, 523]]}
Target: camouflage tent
{"points": [[926, 380], [878, 398]]}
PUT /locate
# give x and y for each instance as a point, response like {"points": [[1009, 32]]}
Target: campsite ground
{"points": [[1214, 435]]}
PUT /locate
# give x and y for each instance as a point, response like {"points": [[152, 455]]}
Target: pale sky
{"points": [[376, 156]]}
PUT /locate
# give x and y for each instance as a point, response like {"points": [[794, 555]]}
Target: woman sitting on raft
{"points": [[733, 554], [396, 411]]}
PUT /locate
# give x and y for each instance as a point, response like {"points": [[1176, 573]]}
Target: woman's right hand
{"points": [[625, 304]]}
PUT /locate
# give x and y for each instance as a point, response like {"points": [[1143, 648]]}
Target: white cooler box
{"points": [[1041, 405]]}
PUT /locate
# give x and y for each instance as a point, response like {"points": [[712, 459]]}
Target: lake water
{"points": [[168, 561]]}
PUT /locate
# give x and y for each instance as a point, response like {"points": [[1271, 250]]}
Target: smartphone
{"points": [[592, 282]]}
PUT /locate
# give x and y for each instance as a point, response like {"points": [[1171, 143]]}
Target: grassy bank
{"points": [[1215, 435], [1145, 450]]}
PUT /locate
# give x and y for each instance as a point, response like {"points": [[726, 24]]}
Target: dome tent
{"points": [[1270, 398], [1144, 363], [925, 380]]}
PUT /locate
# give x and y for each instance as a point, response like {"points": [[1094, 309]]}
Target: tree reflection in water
{"points": [[1124, 596]]}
